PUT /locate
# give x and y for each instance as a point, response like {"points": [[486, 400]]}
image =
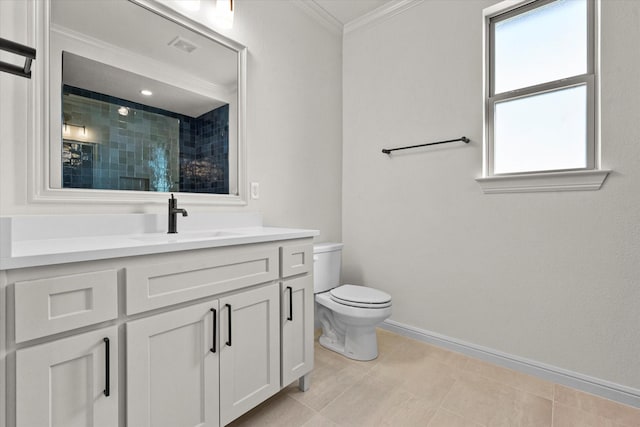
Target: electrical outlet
{"points": [[255, 190]]}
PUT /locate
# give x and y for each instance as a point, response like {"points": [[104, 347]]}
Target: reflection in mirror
{"points": [[156, 110], [114, 143]]}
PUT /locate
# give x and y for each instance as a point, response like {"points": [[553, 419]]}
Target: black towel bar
{"points": [[21, 50], [389, 150]]}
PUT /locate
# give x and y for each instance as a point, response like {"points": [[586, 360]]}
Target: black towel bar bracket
{"points": [[20, 50], [389, 150]]}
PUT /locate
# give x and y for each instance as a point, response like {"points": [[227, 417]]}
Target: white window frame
{"points": [[589, 178]]}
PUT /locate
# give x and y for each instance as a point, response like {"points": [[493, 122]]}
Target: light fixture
{"points": [[123, 111], [223, 14], [66, 130], [146, 92]]}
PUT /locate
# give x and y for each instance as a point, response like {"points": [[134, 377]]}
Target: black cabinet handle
{"points": [[290, 303], [215, 326], [229, 326], [107, 388]]}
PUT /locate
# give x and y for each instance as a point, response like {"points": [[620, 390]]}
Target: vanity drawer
{"points": [[296, 259], [61, 303], [159, 285]]}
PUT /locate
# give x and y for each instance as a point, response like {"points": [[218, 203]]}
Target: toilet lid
{"points": [[360, 296]]}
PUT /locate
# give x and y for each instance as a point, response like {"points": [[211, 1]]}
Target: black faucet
{"points": [[173, 213]]}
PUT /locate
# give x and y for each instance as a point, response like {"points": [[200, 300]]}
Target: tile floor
{"points": [[416, 384]]}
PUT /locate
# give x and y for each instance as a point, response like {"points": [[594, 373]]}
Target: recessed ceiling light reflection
{"points": [[123, 111]]}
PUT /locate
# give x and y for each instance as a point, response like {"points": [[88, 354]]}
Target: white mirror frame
{"points": [[39, 129]]}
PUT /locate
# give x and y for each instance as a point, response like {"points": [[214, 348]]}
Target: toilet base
{"points": [[348, 330], [360, 345]]}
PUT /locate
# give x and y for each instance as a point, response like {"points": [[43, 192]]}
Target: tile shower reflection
{"points": [[111, 143]]}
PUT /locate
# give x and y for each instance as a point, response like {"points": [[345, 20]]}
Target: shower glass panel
{"points": [[115, 144]]}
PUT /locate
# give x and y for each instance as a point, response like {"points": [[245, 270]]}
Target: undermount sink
{"points": [[184, 236]]}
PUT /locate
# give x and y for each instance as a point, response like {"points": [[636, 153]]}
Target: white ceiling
{"points": [[119, 23], [102, 78], [127, 25], [346, 11]]}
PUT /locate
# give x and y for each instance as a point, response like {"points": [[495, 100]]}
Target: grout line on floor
{"points": [[516, 387], [553, 405]]}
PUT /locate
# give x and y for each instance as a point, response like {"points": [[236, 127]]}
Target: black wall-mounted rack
{"points": [[389, 150], [21, 50]]}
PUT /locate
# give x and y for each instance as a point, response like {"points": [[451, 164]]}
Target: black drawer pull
{"points": [[107, 388], [215, 326], [290, 303], [229, 326]]}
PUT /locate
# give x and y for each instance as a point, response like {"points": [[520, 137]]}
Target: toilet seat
{"points": [[356, 314], [360, 296]]}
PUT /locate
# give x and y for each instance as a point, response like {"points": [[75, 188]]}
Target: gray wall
{"points": [[553, 277]]}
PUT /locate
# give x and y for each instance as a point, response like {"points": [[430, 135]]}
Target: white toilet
{"points": [[348, 314]]}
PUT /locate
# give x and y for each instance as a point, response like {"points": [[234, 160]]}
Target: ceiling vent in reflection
{"points": [[183, 44]]}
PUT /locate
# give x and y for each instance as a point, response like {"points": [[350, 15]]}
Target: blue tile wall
{"points": [[149, 150], [77, 165], [204, 161]]}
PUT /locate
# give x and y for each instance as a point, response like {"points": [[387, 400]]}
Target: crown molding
{"points": [[320, 15], [327, 20], [378, 15]]}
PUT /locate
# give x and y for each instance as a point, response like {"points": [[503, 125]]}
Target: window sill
{"points": [[547, 181]]}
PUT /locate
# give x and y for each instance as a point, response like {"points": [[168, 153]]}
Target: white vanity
{"points": [[120, 327], [105, 320]]}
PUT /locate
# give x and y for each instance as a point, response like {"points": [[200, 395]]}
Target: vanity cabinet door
{"points": [[250, 350], [297, 329], [172, 368], [71, 382]]}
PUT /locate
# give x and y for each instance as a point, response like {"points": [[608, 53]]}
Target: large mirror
{"points": [[143, 101]]}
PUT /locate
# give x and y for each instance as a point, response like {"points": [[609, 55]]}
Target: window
{"points": [[540, 94]]}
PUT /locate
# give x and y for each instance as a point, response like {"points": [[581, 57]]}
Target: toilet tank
{"points": [[327, 260]]}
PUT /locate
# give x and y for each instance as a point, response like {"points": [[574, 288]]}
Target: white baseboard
{"points": [[608, 390]]}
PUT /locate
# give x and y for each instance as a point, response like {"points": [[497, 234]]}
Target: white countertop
{"points": [[23, 247]]}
